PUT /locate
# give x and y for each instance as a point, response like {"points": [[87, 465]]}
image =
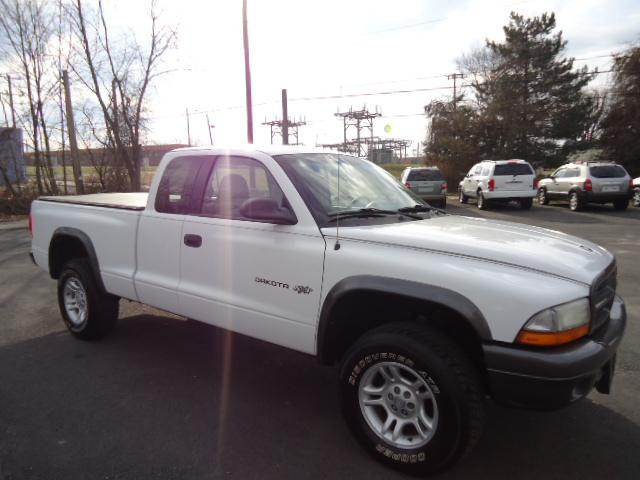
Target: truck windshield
{"points": [[362, 184]]}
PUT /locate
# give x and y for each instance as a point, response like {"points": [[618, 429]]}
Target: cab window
{"points": [[232, 182]]}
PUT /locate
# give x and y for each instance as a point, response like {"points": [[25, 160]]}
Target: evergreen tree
{"points": [[532, 101], [621, 125]]}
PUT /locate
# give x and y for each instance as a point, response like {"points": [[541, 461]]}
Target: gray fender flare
{"points": [[415, 290], [88, 246]]}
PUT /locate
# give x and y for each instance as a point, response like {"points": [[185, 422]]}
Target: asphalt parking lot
{"points": [[163, 398]]}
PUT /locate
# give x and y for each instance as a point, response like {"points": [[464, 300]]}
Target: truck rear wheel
{"points": [[88, 313], [411, 398]]}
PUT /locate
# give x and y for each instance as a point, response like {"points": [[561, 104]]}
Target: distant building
{"points": [[12, 161], [151, 155]]}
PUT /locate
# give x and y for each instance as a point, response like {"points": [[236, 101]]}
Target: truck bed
{"points": [[123, 201]]}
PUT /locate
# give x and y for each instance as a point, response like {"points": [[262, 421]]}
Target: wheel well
{"points": [[361, 311], [62, 249]]}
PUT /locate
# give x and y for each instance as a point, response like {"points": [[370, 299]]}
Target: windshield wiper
{"points": [[370, 212], [420, 208]]}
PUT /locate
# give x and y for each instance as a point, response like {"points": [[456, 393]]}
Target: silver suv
{"points": [[588, 182], [426, 182]]}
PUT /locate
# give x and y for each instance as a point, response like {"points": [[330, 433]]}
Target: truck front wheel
{"points": [[88, 313], [411, 398]]}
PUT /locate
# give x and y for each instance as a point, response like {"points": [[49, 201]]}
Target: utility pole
{"points": [[209, 127], [73, 143], [454, 77], [188, 129], [247, 72], [285, 118], [11, 107], [62, 142]]}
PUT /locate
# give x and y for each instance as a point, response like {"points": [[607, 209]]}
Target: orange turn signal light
{"points": [[549, 339]]}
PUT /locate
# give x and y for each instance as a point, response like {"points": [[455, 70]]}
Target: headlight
{"points": [[557, 325]]}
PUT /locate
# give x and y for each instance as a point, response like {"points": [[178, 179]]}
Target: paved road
{"points": [[159, 399]]}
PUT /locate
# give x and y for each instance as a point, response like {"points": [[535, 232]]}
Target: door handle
{"points": [[191, 240]]}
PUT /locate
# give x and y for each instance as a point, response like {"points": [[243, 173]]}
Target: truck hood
{"points": [[515, 244]]}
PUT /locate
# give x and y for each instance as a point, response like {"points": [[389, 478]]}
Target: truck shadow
{"points": [[162, 397]]}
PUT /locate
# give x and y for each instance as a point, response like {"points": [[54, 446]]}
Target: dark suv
{"points": [[426, 182], [590, 182]]}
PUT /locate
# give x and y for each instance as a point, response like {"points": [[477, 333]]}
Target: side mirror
{"points": [[267, 210], [552, 177]]}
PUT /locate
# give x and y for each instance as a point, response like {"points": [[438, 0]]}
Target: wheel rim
{"points": [[75, 301], [541, 197], [398, 405], [636, 198], [573, 201], [461, 198], [480, 200]]}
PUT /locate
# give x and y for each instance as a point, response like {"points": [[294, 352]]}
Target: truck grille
{"points": [[603, 292]]}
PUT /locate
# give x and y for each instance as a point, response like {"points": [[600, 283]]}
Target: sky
{"points": [[340, 49]]}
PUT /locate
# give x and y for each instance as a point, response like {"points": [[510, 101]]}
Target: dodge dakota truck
{"points": [[427, 315]]}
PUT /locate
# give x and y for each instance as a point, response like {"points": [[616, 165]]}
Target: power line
{"points": [[348, 95]]}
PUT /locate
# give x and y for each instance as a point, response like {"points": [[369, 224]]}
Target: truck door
{"points": [[159, 234], [253, 277]]}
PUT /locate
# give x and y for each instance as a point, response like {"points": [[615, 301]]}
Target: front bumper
{"points": [[551, 378]]}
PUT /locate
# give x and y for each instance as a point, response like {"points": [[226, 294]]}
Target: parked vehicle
{"points": [[499, 181], [326, 254], [589, 182], [426, 182], [636, 192]]}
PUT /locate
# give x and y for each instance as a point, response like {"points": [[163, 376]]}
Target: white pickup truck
{"points": [[426, 313]]}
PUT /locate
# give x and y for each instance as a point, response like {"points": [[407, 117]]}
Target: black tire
{"points": [[636, 197], [575, 202], [482, 202], [526, 203], [621, 204], [454, 384], [543, 199], [101, 308], [443, 203], [462, 197]]}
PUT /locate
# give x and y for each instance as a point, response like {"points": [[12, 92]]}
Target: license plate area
{"points": [[611, 188]]}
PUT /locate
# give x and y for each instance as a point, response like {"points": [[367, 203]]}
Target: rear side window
{"points": [[607, 171], [425, 175], [175, 189], [509, 169]]}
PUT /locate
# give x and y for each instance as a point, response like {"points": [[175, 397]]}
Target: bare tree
{"points": [[28, 27], [119, 75]]}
